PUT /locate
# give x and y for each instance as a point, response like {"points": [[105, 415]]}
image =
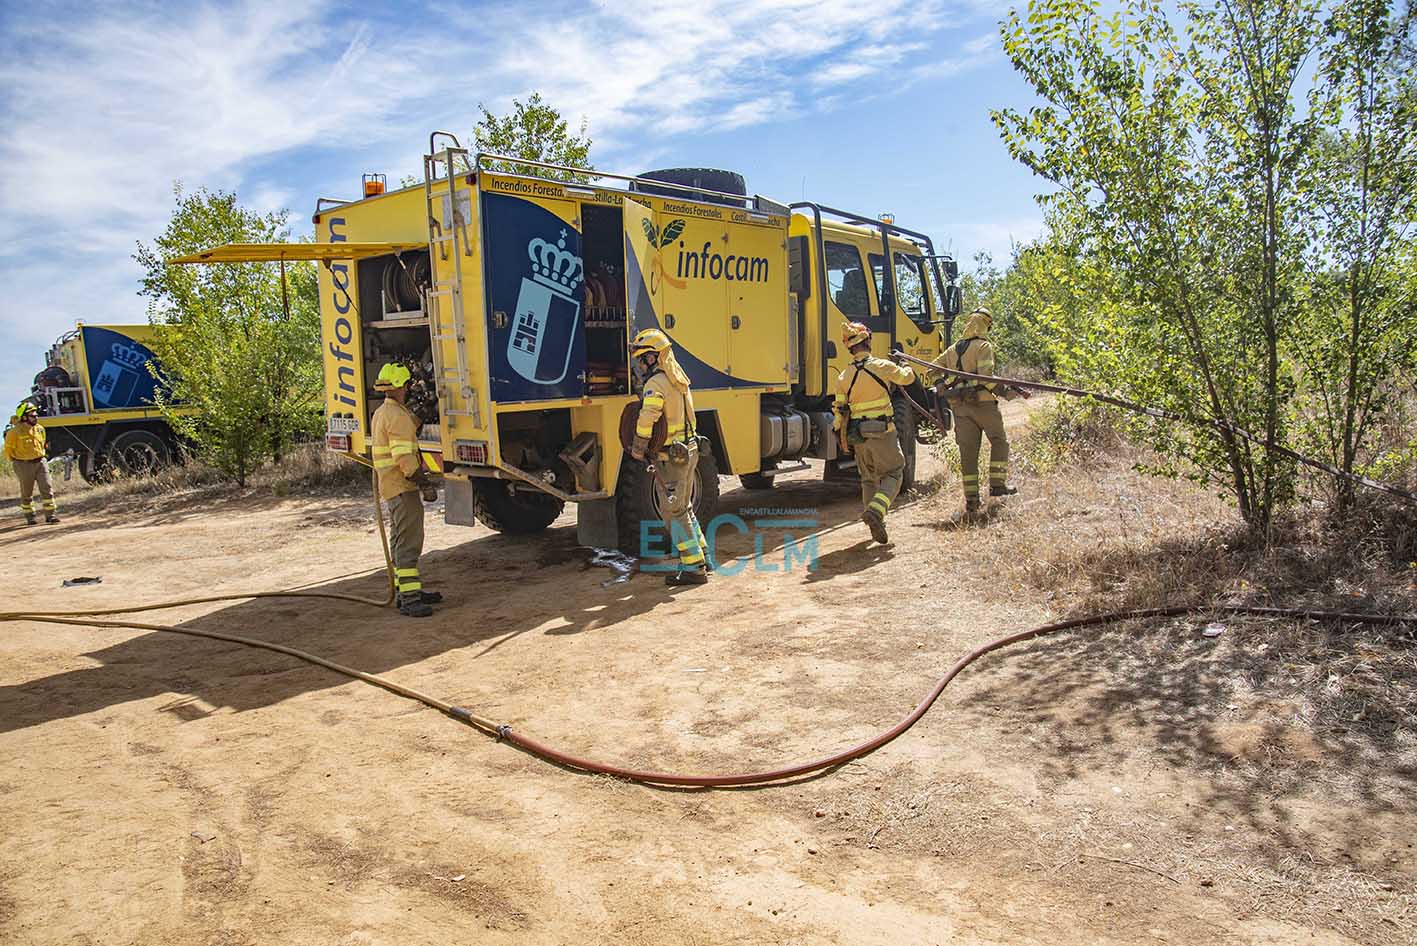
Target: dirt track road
{"points": [[156, 789]]}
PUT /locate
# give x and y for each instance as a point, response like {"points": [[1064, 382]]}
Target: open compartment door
{"points": [[643, 270], [278, 252]]}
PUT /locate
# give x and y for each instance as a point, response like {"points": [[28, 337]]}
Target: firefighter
{"points": [[665, 392], [864, 421], [976, 410], [25, 446], [404, 486]]}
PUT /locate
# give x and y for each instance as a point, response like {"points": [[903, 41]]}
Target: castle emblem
{"points": [[547, 314]]}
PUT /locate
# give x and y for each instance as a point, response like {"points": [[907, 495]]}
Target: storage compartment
{"points": [[606, 324], [396, 330]]}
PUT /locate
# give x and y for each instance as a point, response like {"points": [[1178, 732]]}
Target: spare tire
{"points": [[710, 179]]}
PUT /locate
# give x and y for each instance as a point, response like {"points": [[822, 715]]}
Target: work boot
{"points": [[412, 606], [51, 518], [687, 576], [971, 507], [430, 597], [30, 520], [1002, 491], [877, 524]]}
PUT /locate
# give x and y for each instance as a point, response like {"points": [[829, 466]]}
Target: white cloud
{"points": [[103, 114], [996, 237]]}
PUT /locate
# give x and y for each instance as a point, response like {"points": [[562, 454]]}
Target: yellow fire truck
{"points": [[512, 298], [97, 400]]}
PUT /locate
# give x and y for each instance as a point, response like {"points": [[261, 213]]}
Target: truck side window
{"points": [[910, 284], [846, 280]]}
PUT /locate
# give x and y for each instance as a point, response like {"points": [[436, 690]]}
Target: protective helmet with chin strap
{"points": [[854, 333], [392, 375], [650, 339]]}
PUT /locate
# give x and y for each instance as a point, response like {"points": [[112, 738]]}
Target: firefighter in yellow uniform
{"points": [[865, 415], [976, 410], [665, 392], [403, 486], [25, 448]]}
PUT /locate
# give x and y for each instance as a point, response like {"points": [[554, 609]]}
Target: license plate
{"points": [[342, 425]]}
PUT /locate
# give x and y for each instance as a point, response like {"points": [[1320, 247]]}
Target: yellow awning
{"points": [[272, 252]]}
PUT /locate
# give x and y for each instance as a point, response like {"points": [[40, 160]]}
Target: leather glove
{"points": [[639, 448], [419, 479]]}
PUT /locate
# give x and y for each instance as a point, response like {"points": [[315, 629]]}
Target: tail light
{"points": [[337, 443], [471, 451]]}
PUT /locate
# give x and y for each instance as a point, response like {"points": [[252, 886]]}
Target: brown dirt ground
{"points": [[1139, 786]]}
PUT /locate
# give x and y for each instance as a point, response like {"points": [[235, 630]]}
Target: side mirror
{"points": [[951, 270], [799, 268], [953, 300]]}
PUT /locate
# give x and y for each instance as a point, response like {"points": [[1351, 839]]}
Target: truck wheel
{"points": [[905, 433], [93, 467], [515, 512], [138, 453], [638, 498], [754, 481]]}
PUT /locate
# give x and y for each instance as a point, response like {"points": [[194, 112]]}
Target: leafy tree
{"points": [[1361, 317], [1179, 162], [535, 131], [239, 342]]}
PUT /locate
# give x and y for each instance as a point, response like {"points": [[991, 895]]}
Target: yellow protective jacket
{"points": [[868, 396], [396, 456], [661, 396], [23, 442], [973, 353]]}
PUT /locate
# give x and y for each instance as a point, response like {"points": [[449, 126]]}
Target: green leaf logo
{"points": [[650, 232], [671, 231]]}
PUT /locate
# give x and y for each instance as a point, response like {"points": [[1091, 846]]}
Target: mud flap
{"points": [[458, 501], [596, 524]]}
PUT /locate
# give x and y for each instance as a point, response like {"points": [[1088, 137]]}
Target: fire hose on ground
{"points": [[505, 733]]}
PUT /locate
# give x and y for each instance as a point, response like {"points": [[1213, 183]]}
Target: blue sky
{"points": [[879, 106]]}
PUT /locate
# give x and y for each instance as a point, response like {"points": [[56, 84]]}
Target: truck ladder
{"points": [[448, 244]]}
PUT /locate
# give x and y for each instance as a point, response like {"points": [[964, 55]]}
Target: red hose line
{"points": [[567, 760], [539, 749]]}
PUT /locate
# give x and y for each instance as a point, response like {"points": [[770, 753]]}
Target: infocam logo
{"points": [[783, 540]]}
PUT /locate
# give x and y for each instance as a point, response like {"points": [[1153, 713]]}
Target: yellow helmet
{"points": [[392, 375], [25, 407], [854, 333], [651, 339]]}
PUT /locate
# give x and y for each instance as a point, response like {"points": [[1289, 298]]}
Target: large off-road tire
{"points": [[93, 467], [138, 453], [757, 481], [638, 498], [905, 433], [515, 512], [713, 179]]}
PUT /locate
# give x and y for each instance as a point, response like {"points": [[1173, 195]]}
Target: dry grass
{"points": [[308, 470], [1279, 717]]}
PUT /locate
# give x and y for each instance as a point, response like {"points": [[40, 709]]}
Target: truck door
{"points": [[535, 286], [914, 329], [851, 298]]}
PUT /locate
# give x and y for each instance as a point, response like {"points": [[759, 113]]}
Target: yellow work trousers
{"points": [[677, 506], [406, 540], [974, 419], [31, 474], [881, 464]]}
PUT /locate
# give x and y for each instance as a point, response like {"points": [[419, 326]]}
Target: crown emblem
{"points": [[553, 266], [128, 356]]}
